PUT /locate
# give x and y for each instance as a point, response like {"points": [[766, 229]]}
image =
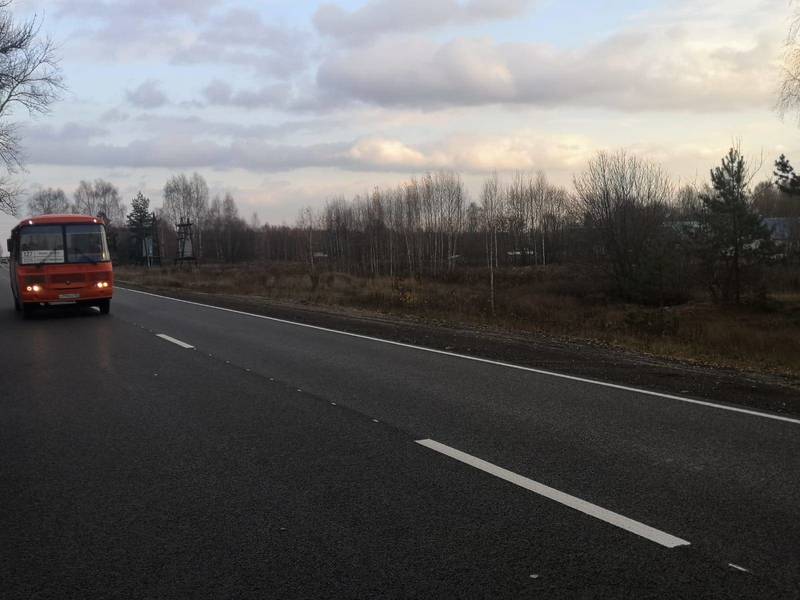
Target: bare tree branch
{"points": [[789, 91], [29, 78]]}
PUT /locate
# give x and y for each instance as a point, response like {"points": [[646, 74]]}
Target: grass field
{"points": [[560, 301]]}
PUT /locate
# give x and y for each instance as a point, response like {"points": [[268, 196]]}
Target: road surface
{"points": [[173, 450]]}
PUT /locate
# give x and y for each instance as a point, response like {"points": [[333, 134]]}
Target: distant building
{"points": [[784, 229]]}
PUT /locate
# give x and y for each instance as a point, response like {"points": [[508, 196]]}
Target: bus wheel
{"points": [[104, 306], [27, 311]]}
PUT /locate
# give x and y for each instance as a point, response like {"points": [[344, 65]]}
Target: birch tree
{"points": [[491, 206]]}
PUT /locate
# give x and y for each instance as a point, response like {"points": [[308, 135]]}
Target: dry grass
{"points": [[557, 301]]}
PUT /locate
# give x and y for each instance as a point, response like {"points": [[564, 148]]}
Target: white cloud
{"points": [[473, 153], [386, 153], [634, 70], [185, 144]]}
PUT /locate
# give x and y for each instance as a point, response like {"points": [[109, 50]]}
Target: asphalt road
{"points": [[272, 460]]}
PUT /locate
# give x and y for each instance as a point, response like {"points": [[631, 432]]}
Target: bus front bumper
{"points": [[38, 294]]}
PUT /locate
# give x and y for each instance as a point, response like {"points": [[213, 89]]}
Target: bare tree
{"points": [[454, 210], [85, 201], [789, 92], [186, 199], [491, 205], [624, 199], [306, 222], [214, 227], [412, 230], [109, 204], [232, 226], [100, 198], [29, 78], [519, 213], [48, 202]]}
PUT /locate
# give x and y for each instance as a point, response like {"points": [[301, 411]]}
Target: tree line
{"points": [[648, 238]]}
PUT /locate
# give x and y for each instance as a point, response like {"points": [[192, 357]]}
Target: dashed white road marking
{"points": [[738, 568], [164, 336], [744, 411], [640, 529]]}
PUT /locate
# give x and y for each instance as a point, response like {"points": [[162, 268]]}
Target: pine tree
{"points": [[140, 224], [732, 232], [785, 178], [139, 217]]}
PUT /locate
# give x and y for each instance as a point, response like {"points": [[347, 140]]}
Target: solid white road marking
{"points": [[738, 568], [174, 341], [487, 361], [640, 529]]}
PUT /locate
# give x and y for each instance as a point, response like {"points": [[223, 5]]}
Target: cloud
{"points": [[38, 134], [218, 92], [185, 32], [184, 148], [192, 126], [80, 145], [147, 95], [473, 153], [132, 29], [138, 10], [114, 115], [378, 17], [631, 71], [241, 37], [386, 154], [222, 94]]}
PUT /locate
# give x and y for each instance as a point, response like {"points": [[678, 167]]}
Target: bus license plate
{"points": [[68, 296]]}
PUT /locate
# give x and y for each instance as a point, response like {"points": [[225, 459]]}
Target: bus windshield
{"points": [[44, 244], [86, 243], [41, 244]]}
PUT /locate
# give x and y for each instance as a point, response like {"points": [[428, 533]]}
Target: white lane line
{"points": [[738, 568], [174, 341], [640, 529], [753, 413]]}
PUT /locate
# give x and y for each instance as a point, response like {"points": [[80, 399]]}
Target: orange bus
{"points": [[60, 259]]}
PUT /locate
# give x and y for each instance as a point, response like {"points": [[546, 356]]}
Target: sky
{"points": [[286, 104]]}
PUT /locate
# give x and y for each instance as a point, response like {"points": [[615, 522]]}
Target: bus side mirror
{"points": [[8, 245]]}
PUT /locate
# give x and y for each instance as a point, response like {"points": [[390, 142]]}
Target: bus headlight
{"points": [[34, 288], [102, 284]]}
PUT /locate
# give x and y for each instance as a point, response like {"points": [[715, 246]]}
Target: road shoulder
{"points": [[756, 391]]}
